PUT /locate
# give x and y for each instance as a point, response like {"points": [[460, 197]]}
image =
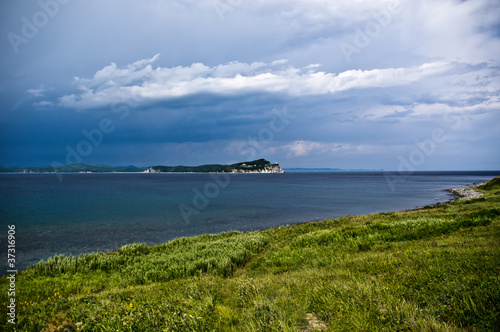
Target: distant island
{"points": [[256, 166]]}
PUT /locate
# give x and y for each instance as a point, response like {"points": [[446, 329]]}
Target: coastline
{"points": [[300, 272], [467, 192], [75, 246]]}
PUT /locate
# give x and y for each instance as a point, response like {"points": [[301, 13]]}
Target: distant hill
{"points": [[74, 168], [256, 166]]}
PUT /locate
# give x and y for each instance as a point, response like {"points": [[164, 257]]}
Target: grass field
{"points": [[432, 269]]}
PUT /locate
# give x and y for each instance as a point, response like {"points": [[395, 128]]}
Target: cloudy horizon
{"points": [[393, 85]]}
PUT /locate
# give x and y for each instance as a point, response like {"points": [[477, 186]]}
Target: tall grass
{"points": [[180, 258]]}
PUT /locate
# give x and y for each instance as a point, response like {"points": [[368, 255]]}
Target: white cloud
{"points": [[451, 29], [43, 105], [426, 111], [36, 92], [141, 81], [112, 75], [314, 14], [304, 148]]}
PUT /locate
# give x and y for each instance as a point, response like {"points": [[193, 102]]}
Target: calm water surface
{"points": [[86, 212]]}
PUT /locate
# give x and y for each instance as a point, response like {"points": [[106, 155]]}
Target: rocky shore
{"points": [[468, 192], [272, 168]]}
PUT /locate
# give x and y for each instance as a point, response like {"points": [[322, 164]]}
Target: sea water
{"points": [[79, 213]]}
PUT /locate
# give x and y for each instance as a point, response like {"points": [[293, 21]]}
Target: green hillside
{"points": [[432, 269]]}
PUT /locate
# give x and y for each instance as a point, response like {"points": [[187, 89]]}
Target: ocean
{"points": [[89, 212]]}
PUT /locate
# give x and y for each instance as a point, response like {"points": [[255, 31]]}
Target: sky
{"points": [[353, 84]]}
